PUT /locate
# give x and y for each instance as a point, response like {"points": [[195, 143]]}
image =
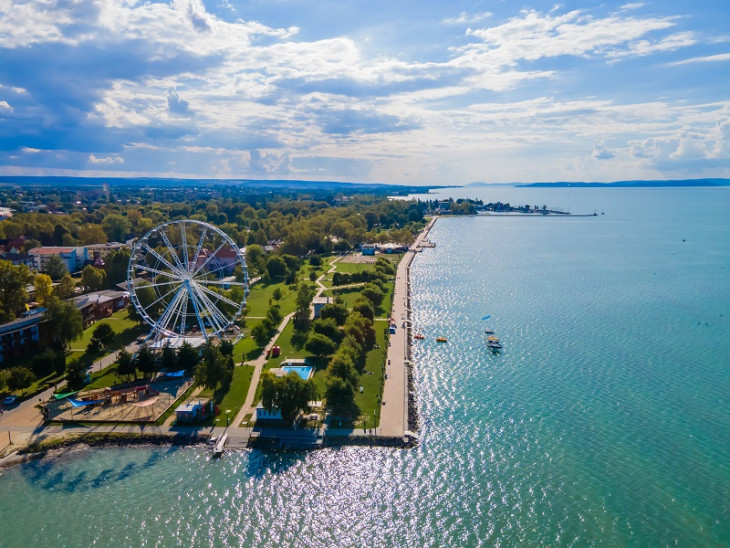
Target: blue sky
{"points": [[399, 91]]}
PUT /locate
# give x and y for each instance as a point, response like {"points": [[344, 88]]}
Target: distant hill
{"points": [[252, 184], [637, 184]]}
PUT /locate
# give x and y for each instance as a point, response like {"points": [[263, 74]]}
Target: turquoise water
{"points": [[304, 371], [604, 421]]}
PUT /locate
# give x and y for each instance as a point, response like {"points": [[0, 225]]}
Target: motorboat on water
{"points": [[493, 339], [489, 331], [495, 346], [441, 339], [419, 336]]}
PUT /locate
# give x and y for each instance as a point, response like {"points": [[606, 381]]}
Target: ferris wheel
{"points": [[184, 280]]}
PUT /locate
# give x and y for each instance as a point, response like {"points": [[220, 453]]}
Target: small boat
{"points": [[441, 339], [489, 331], [419, 336], [492, 338], [494, 347]]}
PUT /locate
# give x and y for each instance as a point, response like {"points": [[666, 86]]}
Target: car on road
{"points": [[10, 400]]}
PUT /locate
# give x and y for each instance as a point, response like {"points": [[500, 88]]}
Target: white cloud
{"points": [[5, 106], [112, 159], [720, 57], [465, 18], [600, 152]]}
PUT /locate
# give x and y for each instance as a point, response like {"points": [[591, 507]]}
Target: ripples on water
{"points": [[604, 421]]}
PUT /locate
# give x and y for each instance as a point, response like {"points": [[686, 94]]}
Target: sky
{"points": [[400, 91]]}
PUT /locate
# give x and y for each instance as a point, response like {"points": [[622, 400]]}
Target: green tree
{"points": [[168, 361], [320, 345], [329, 328], [43, 364], [75, 374], [342, 366], [64, 321], [261, 334], [276, 267], [43, 288], [105, 333], [116, 227], [55, 267], [116, 265], [20, 378], [125, 364], [187, 357], [336, 311], [145, 362], [211, 370], [361, 329], [289, 394], [226, 348], [340, 395], [273, 315], [365, 307], [65, 289], [374, 294], [13, 295], [92, 278]]}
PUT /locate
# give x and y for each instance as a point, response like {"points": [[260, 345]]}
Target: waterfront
{"points": [[604, 421]]}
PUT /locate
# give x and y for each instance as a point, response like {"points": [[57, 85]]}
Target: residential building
{"points": [[73, 257]]}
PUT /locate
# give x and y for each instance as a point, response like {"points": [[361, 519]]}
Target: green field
{"points": [[372, 380], [231, 399]]}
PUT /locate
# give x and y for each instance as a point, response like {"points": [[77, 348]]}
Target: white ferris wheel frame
{"points": [[187, 282]]}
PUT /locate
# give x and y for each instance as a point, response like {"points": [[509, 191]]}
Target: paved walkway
{"points": [[394, 406], [258, 364]]}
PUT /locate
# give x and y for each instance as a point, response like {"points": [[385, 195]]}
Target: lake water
{"points": [[604, 421]]}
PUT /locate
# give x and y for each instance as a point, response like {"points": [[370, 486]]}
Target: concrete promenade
{"points": [[394, 407]]}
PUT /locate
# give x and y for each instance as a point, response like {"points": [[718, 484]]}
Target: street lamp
{"points": [[228, 412]]}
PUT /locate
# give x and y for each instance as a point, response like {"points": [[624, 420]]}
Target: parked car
{"points": [[10, 400]]}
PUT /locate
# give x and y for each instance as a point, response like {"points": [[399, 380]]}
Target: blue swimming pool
{"points": [[304, 371]]}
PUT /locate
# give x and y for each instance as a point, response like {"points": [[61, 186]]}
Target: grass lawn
{"points": [[257, 303], [125, 329], [231, 399], [372, 380]]}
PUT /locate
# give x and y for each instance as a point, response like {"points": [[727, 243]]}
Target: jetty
{"points": [[220, 446]]}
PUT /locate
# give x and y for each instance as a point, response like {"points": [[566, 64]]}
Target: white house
{"points": [[73, 257]]}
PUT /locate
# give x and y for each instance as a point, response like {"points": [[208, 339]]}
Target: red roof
{"points": [[50, 250]]}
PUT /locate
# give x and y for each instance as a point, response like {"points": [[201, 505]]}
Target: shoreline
{"points": [[403, 416]]}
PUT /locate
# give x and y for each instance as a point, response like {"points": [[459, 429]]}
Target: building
{"points": [[73, 257], [318, 303], [264, 415], [22, 336], [225, 260], [100, 304], [368, 249], [194, 410], [97, 253]]}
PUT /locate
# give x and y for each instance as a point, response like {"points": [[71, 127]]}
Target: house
{"points": [[264, 415], [73, 257], [194, 410], [318, 303], [368, 249], [224, 260]]}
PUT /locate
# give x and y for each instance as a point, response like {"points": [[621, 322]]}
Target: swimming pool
{"points": [[304, 371]]}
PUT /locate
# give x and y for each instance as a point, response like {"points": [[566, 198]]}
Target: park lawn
{"points": [[352, 268], [233, 398], [125, 329], [39, 385], [288, 348], [105, 377], [372, 380], [261, 293], [245, 349]]}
